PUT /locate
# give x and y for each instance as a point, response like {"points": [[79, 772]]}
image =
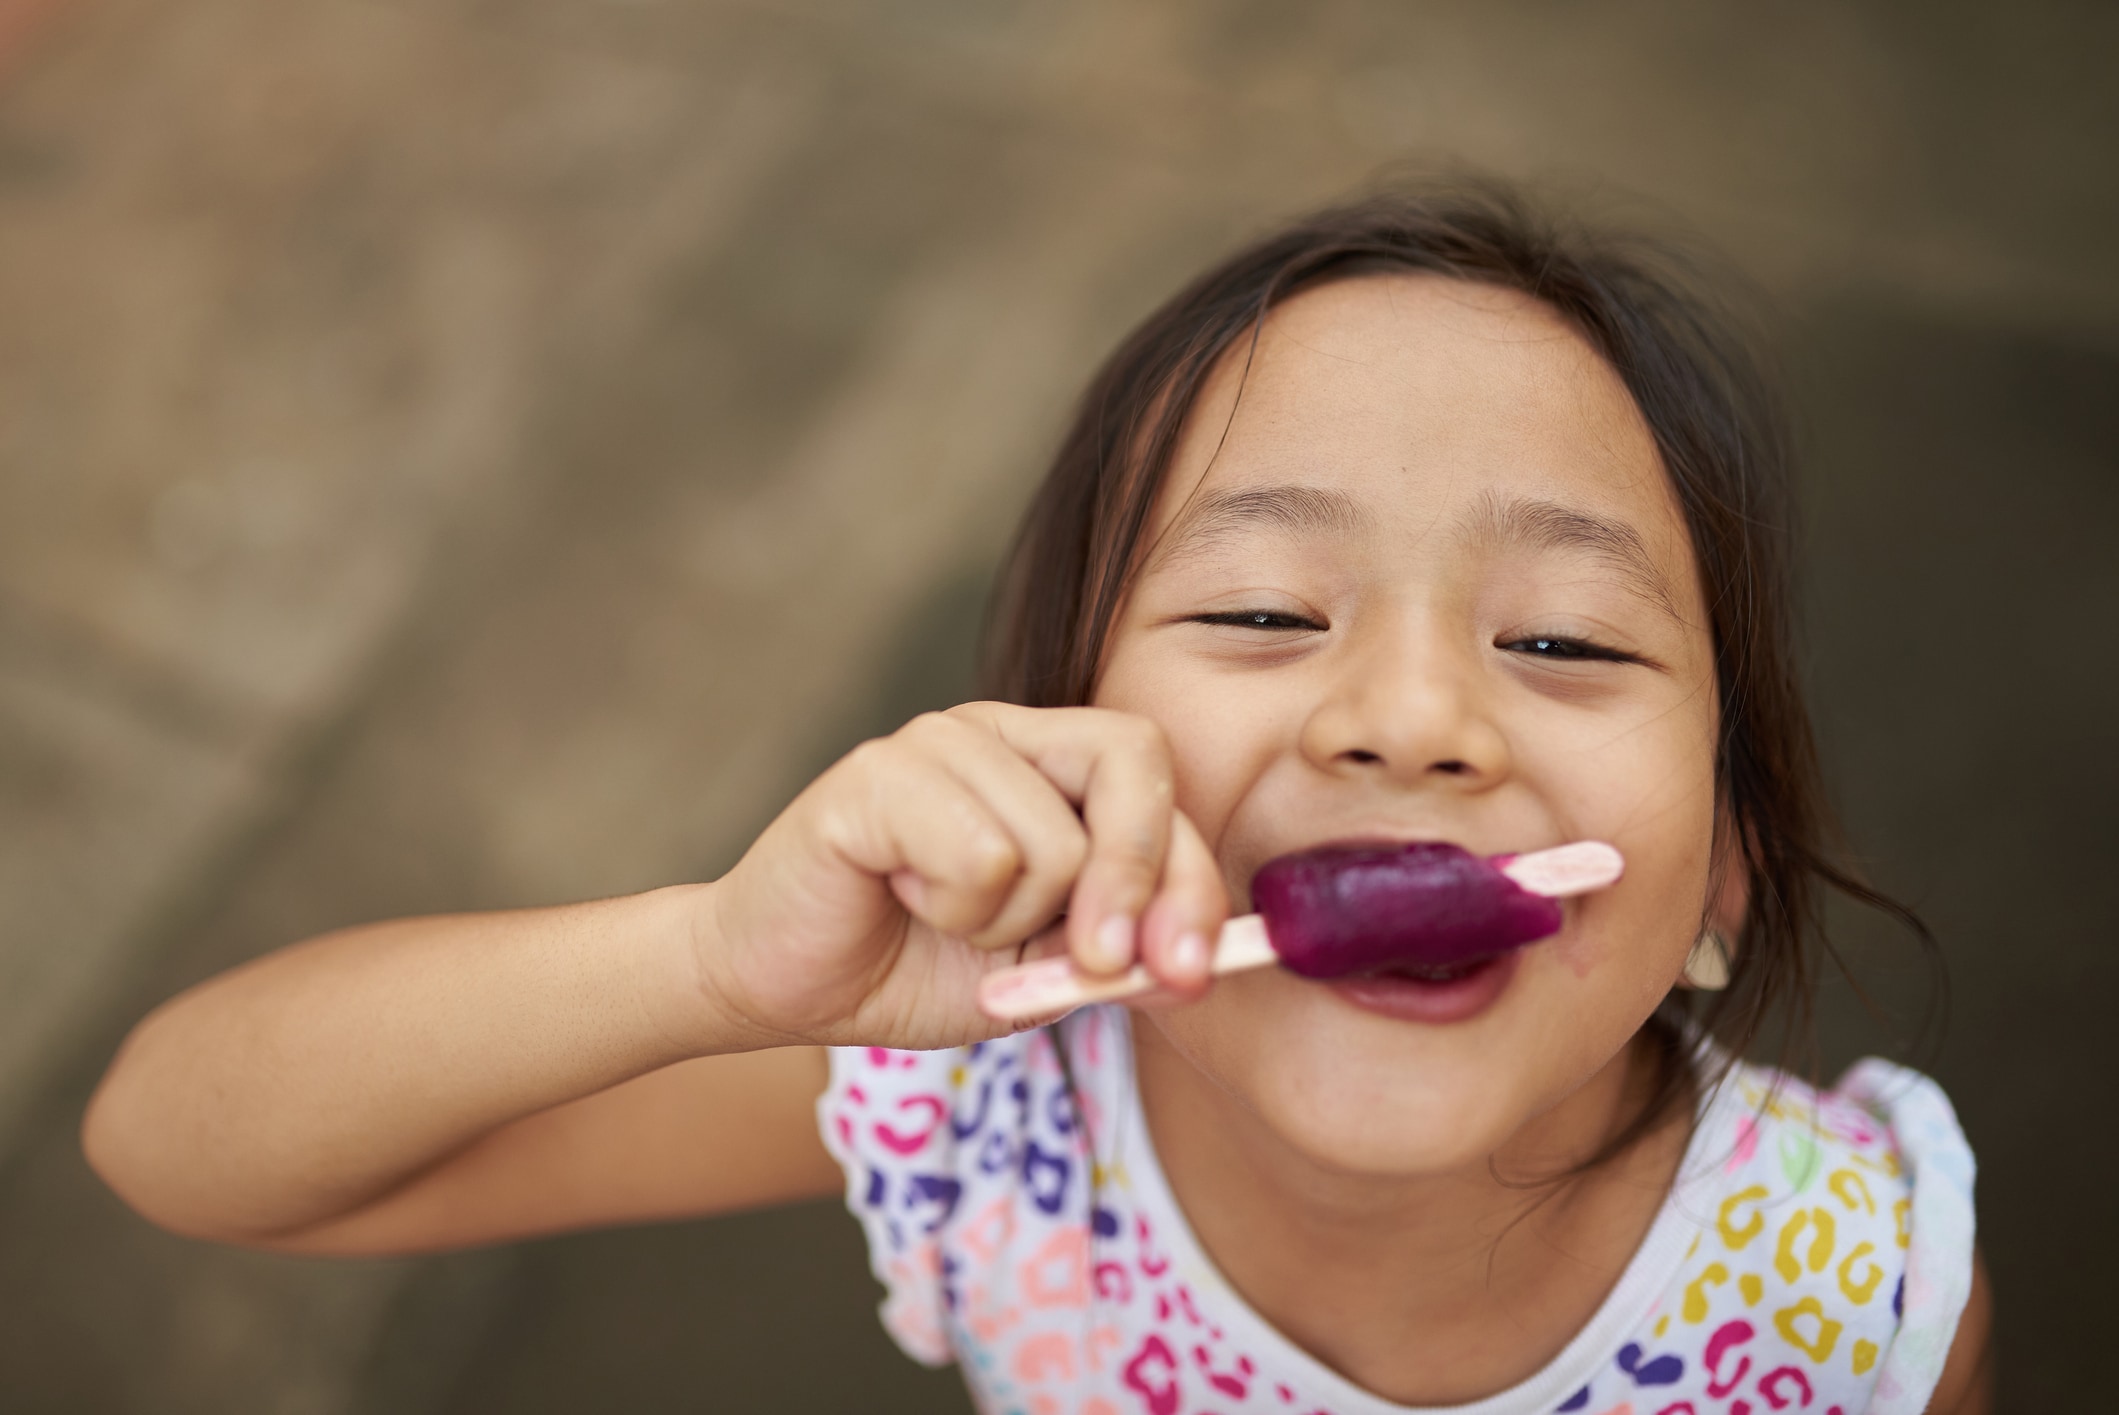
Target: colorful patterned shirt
{"points": [[1813, 1255]]}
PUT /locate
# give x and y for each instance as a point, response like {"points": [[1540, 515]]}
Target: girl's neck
{"points": [[1428, 1290]]}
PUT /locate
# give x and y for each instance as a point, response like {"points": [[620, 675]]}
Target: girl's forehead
{"points": [[1413, 392]]}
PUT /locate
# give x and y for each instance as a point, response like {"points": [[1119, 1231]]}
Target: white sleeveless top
{"points": [[1813, 1254]]}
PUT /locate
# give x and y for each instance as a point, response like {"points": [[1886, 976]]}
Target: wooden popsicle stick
{"points": [[1051, 986]]}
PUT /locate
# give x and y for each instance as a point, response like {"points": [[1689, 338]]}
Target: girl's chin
{"points": [[1435, 1001]]}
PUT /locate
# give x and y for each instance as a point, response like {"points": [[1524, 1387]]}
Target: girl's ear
{"points": [[1713, 954], [1728, 878]]}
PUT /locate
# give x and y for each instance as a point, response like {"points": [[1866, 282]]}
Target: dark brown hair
{"points": [[1691, 365]]}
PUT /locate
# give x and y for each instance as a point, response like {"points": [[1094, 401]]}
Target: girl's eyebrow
{"points": [[1548, 525], [1215, 516]]}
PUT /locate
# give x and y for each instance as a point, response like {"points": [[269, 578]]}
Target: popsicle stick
{"points": [[1564, 870], [1054, 985]]}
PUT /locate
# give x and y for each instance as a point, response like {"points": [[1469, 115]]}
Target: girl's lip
{"points": [[1407, 999]]}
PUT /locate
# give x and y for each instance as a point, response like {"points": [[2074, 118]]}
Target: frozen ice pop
{"points": [[1347, 909], [1344, 909]]}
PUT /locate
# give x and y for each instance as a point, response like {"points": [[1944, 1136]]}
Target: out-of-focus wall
{"points": [[468, 453]]}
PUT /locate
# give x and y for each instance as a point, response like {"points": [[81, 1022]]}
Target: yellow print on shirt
{"points": [[1860, 1292], [1846, 1184], [1725, 1223], [1695, 1307], [1818, 1346], [1784, 1259], [1888, 1165]]}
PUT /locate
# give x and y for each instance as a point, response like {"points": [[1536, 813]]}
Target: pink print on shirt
{"points": [[1020, 1224]]}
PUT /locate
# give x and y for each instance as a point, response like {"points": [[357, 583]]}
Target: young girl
{"points": [[1422, 520]]}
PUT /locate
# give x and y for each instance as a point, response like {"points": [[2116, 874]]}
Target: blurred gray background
{"points": [[475, 453]]}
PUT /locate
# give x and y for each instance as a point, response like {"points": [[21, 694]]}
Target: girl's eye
{"points": [[1547, 646], [1258, 619]]}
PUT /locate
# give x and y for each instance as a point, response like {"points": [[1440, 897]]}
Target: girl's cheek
{"points": [[1640, 933], [1579, 946], [1210, 753], [1657, 806]]}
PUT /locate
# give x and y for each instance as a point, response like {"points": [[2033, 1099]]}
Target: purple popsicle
{"points": [[1343, 909]]}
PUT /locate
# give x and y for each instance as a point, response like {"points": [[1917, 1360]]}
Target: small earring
{"points": [[1707, 966]]}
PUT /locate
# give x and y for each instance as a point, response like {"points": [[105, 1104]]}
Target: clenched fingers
{"points": [[1050, 841], [950, 858], [1148, 887]]}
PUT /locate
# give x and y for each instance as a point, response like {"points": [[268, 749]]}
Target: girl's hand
{"points": [[868, 911]]}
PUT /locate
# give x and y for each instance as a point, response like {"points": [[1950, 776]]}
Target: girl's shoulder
{"points": [[1830, 1241], [1882, 1128]]}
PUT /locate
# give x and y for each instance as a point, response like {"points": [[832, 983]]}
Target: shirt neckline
{"points": [[1623, 1312]]}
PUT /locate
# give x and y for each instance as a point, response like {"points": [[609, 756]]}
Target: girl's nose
{"points": [[1411, 714]]}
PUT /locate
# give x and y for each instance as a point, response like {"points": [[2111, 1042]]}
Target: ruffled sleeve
{"points": [[1936, 1227]]}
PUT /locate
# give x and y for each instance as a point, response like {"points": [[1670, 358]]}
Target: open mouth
{"points": [[1435, 972], [1433, 993]]}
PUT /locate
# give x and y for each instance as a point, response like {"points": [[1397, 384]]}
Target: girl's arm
{"points": [[713, 1135], [435, 1082], [1967, 1384], [430, 1083]]}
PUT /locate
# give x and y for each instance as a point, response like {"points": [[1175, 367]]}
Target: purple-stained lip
{"points": [[1358, 908]]}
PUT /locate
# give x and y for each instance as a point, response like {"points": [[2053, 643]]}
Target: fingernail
{"points": [[1114, 942], [1188, 955]]}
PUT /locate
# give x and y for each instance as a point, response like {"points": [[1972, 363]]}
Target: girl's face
{"points": [[1426, 580]]}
